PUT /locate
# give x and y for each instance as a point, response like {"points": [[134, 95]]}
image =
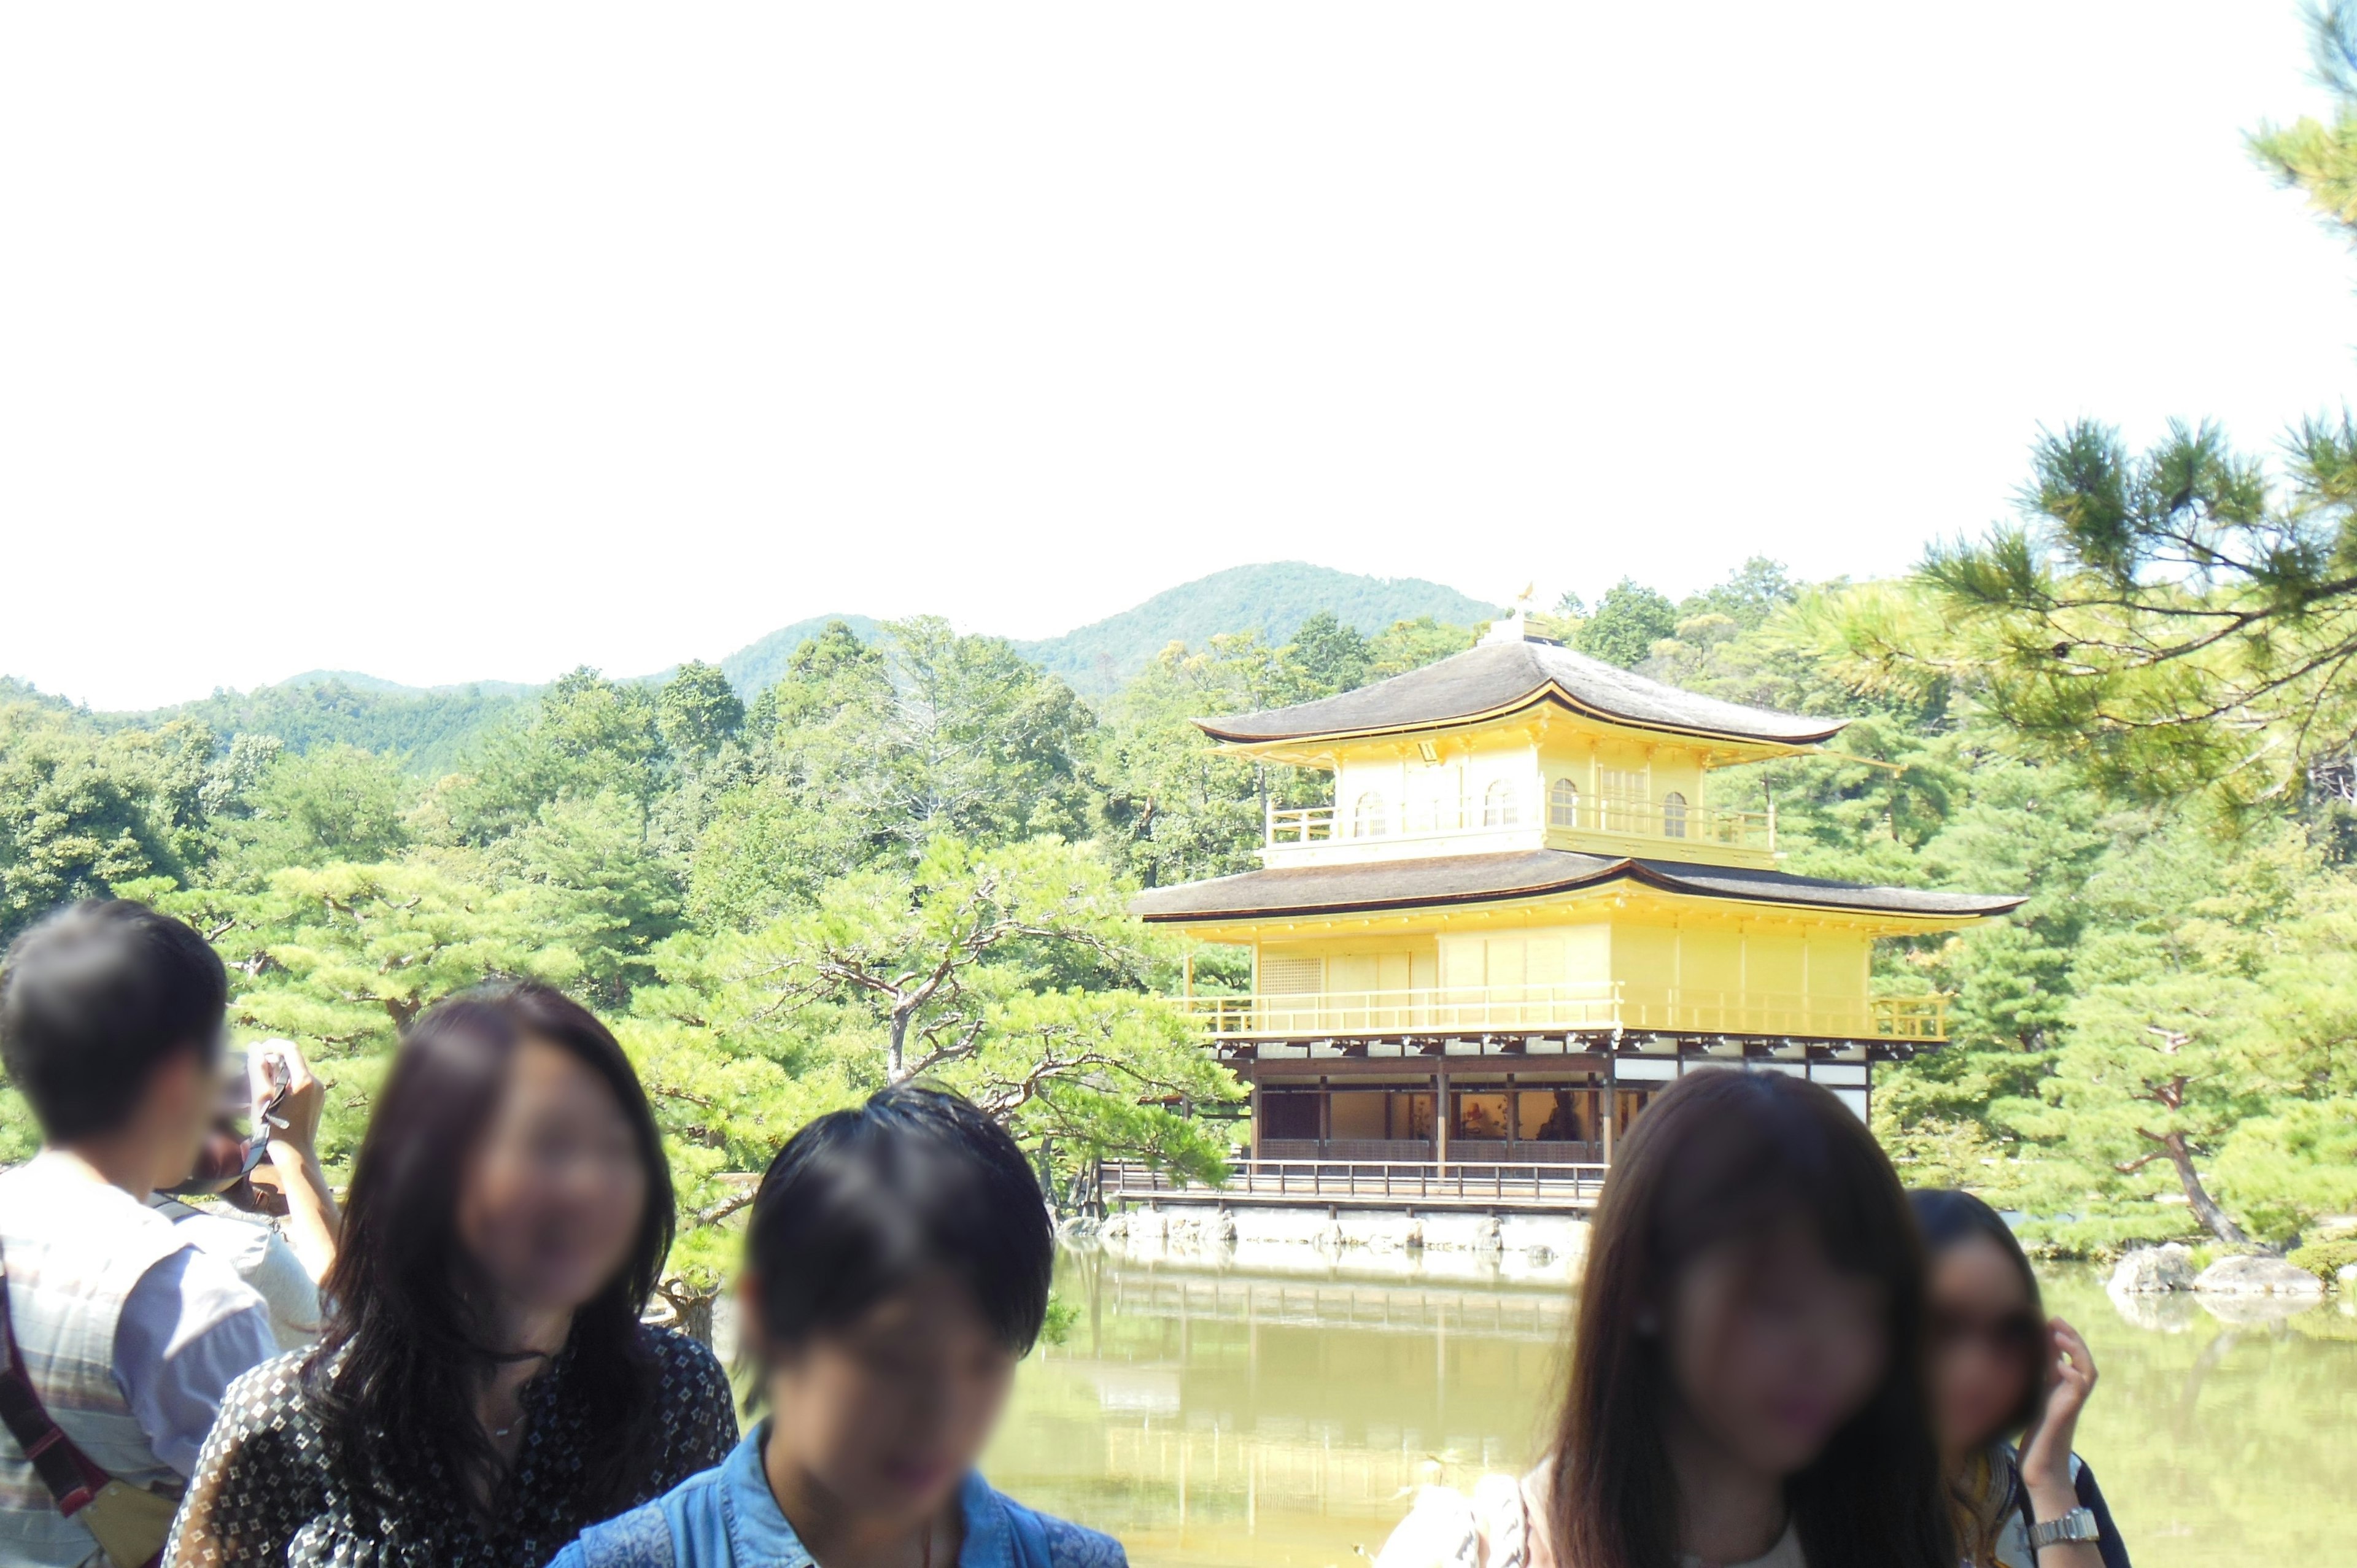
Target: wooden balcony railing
{"points": [[1516, 811], [1511, 1183], [1603, 1005]]}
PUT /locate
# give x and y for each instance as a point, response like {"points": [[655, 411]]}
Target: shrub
{"points": [[2325, 1260]]}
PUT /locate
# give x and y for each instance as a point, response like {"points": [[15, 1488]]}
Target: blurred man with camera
{"points": [[276, 1220]]}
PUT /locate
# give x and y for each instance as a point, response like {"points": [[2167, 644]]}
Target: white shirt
{"points": [[263, 1259]]}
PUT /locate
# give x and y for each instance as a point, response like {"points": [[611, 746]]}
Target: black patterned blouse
{"points": [[265, 1491]]}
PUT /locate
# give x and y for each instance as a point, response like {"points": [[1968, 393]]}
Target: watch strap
{"points": [[2078, 1525]]}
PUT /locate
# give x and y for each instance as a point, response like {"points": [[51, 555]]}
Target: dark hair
{"points": [[93, 999], [394, 1374], [1947, 1217], [861, 1203], [1724, 1155]]}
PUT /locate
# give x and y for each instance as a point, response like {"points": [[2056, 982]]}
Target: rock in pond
{"points": [[2149, 1271], [2257, 1276]]}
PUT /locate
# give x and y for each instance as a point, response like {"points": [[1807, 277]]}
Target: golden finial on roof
{"points": [[1513, 626]]}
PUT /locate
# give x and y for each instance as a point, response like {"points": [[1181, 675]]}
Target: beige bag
{"points": [[131, 1525]]}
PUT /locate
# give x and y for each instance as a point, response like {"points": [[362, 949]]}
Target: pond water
{"points": [[1278, 1420]]}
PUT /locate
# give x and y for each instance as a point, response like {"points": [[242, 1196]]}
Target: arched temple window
{"points": [[1673, 815], [1498, 805], [1563, 804], [1369, 820]]}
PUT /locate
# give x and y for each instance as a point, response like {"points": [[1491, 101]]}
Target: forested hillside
{"points": [[427, 732], [432, 730], [911, 852], [1272, 599]]}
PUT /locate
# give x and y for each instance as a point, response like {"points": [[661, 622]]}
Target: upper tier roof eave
{"points": [[1494, 680], [1441, 881]]}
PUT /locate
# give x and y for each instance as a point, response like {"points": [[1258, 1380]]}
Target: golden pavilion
{"points": [[1529, 906]]}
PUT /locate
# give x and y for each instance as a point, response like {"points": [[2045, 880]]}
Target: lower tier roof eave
{"points": [[1455, 881]]}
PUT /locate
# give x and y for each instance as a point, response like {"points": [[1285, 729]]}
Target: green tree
{"points": [[1329, 655], [1407, 645], [1628, 619], [2156, 1072], [334, 803], [978, 742], [1750, 595], [605, 892], [697, 712], [2175, 619], [1012, 975], [2183, 617], [340, 958], [589, 736], [1175, 807], [79, 814]]}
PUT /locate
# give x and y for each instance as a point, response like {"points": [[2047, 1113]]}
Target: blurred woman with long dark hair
{"points": [[485, 1388], [1746, 1377], [2003, 1373]]}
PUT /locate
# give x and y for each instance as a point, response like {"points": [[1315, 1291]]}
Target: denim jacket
{"points": [[727, 1517]]}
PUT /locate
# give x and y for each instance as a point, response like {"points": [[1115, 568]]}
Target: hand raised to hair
{"points": [[2069, 1379]]}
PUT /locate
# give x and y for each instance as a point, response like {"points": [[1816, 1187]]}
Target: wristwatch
{"points": [[2078, 1525]]}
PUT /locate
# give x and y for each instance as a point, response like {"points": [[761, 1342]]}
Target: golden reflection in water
{"points": [[1279, 1421]]}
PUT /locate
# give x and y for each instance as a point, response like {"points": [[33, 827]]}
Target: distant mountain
{"points": [[432, 731], [758, 666], [1273, 598], [371, 683], [434, 728]]}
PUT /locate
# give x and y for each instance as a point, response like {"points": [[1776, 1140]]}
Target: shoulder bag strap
{"points": [[64, 1469]]}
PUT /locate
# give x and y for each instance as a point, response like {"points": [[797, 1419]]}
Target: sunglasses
{"points": [[2008, 1333]]}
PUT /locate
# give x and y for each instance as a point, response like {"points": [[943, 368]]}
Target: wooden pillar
{"points": [[1258, 1105], [1611, 1095], [1440, 1120], [1186, 974]]}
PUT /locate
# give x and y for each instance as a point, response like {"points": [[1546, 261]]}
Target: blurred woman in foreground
{"points": [[2002, 1371], [1745, 1367], [485, 1388]]}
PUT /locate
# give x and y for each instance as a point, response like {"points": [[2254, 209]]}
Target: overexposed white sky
{"points": [[451, 342]]}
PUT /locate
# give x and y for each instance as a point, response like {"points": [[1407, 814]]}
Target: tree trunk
{"points": [[2197, 1197], [896, 1054], [691, 1307]]}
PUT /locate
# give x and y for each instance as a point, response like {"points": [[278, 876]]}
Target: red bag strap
{"points": [[64, 1469]]}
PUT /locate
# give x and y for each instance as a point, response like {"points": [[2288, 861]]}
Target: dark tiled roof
{"points": [[1509, 675], [1491, 878]]}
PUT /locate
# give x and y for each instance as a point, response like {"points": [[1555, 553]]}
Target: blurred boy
{"points": [[897, 1269]]}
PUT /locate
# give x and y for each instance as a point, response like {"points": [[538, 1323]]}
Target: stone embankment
{"points": [[2158, 1270]]}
